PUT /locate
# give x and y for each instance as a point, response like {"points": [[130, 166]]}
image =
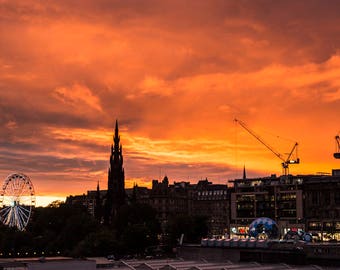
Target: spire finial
{"points": [[116, 128], [116, 137], [244, 172]]}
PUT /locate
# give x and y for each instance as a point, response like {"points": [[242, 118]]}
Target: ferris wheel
{"points": [[17, 199]]}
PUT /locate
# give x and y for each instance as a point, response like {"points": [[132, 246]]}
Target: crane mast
{"points": [[285, 161], [337, 141]]}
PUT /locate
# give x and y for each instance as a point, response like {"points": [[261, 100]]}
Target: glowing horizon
{"points": [[175, 75]]}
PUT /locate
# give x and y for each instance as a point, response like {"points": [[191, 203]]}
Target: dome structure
{"points": [[263, 227]]}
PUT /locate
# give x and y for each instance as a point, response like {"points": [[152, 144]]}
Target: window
{"points": [[337, 225], [316, 226]]}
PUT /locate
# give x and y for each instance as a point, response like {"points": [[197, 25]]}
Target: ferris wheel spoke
{"points": [[16, 220], [23, 214], [23, 208], [5, 215], [20, 219], [12, 217], [5, 211], [8, 188], [14, 184], [8, 217], [23, 222], [17, 187], [20, 191], [12, 190], [24, 189]]}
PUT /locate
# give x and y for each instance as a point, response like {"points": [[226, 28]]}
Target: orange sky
{"points": [[175, 74]]}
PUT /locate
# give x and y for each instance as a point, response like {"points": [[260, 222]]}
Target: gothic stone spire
{"points": [[116, 179]]}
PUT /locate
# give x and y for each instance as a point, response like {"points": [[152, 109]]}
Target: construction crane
{"points": [[285, 161], [337, 142]]}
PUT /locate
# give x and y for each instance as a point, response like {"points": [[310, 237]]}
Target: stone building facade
{"points": [[279, 198], [322, 206], [212, 201]]}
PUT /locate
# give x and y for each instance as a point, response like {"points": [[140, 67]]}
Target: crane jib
{"points": [[285, 162]]}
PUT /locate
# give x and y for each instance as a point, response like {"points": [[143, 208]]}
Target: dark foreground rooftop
{"points": [[151, 264], [180, 264]]}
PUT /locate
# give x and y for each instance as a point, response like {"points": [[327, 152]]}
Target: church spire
{"points": [[98, 206], [116, 179], [244, 172], [116, 137]]}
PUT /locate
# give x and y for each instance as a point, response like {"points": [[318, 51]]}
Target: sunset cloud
{"points": [[175, 74], [78, 96]]}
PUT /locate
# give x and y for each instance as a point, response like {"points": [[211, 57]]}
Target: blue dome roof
{"points": [[263, 225]]}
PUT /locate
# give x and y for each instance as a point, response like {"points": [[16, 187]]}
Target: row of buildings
{"points": [[304, 202]]}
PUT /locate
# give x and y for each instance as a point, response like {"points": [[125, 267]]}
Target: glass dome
{"points": [[263, 228]]}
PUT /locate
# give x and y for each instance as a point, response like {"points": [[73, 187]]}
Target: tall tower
{"points": [[98, 207], [116, 180], [244, 172]]}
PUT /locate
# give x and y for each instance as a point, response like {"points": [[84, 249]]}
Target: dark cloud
{"points": [[51, 164]]}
